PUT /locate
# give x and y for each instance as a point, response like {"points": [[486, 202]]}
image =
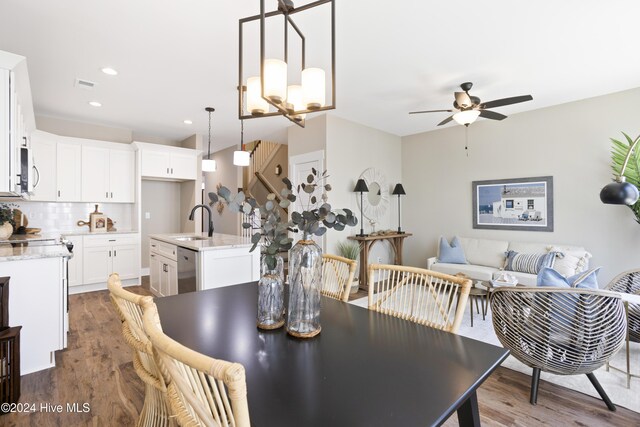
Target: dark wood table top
{"points": [[364, 369]]}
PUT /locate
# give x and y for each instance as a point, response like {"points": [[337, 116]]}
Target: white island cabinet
{"points": [[220, 260]]}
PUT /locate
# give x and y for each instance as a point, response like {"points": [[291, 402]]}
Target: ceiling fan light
{"points": [[313, 88], [208, 165], [256, 105], [275, 80], [466, 117], [241, 158]]}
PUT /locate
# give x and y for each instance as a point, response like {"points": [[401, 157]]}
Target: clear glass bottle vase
{"points": [[271, 295], [305, 283]]}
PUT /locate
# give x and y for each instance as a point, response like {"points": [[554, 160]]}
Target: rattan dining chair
{"points": [[426, 297], [629, 283], [563, 331], [155, 411], [202, 391], [337, 276]]}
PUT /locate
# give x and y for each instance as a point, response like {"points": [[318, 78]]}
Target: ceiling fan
{"points": [[468, 108]]}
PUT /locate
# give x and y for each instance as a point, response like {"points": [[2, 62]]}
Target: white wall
{"points": [[569, 142], [162, 201], [229, 176]]}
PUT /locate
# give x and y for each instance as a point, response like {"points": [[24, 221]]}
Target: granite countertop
{"points": [[85, 232], [217, 241], [9, 252]]}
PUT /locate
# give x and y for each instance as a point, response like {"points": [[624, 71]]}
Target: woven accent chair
{"points": [[564, 331], [629, 283], [425, 297], [337, 276], [202, 391], [155, 411]]}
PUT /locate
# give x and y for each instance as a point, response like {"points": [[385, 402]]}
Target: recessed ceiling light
{"points": [[110, 71], [95, 104], [187, 122]]}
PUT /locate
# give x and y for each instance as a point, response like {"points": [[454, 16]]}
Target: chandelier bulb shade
{"points": [[256, 105], [275, 80], [466, 117], [241, 158], [313, 88], [208, 165]]}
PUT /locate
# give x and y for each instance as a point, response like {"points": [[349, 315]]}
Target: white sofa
{"points": [[486, 258]]}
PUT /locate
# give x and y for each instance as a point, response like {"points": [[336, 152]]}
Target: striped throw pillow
{"points": [[528, 263]]}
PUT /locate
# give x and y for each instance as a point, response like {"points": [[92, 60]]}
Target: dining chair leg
{"points": [[471, 308], [601, 391], [535, 380]]}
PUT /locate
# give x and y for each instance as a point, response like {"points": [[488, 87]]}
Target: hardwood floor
{"points": [[96, 369]]}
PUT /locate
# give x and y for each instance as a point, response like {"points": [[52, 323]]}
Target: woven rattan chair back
{"points": [[629, 283], [129, 307], [564, 331], [422, 296], [202, 391], [337, 276]]}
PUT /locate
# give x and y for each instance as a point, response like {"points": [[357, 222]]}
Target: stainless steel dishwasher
{"points": [[187, 270]]}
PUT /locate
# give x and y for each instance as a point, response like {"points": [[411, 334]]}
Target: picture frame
{"points": [[98, 223], [523, 204]]}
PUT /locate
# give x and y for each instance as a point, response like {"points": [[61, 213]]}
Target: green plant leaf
{"points": [[256, 238], [213, 197], [310, 178]]}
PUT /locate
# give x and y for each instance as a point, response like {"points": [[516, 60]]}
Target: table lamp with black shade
{"points": [[399, 191], [361, 187], [620, 192]]}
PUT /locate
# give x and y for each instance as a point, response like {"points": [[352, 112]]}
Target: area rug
{"points": [[613, 382]]}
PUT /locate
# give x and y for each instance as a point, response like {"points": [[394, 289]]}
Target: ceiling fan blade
{"points": [[506, 101], [431, 111], [463, 99], [445, 121], [492, 115]]}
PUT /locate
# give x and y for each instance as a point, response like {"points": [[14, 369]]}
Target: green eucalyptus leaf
{"points": [[320, 231], [213, 197], [331, 217], [296, 217], [256, 238], [287, 182], [309, 188], [246, 208], [246, 225], [224, 193], [327, 187], [284, 203], [255, 245], [269, 205], [313, 200], [271, 196], [310, 178], [271, 261], [339, 227]]}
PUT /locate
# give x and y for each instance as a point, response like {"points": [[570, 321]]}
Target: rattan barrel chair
{"points": [[422, 296], [201, 391], [629, 283], [155, 411], [563, 331], [337, 276]]}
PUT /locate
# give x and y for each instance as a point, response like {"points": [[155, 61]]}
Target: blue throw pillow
{"points": [[548, 277], [451, 253]]}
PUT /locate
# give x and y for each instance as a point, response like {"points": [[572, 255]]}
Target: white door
{"points": [[95, 174], [154, 164], [75, 263], [183, 166], [155, 272], [299, 168], [125, 261], [122, 176], [44, 163], [69, 172], [96, 265], [164, 277]]}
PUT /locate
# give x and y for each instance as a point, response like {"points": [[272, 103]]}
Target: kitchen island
{"points": [[181, 263], [37, 300]]}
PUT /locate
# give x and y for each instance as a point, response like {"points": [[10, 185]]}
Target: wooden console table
{"points": [[366, 242]]}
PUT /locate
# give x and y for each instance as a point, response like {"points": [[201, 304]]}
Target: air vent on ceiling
{"points": [[84, 84]]}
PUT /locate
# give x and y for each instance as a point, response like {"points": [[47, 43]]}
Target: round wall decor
{"points": [[376, 202]]}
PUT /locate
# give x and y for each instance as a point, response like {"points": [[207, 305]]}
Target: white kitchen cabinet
{"points": [[44, 148], [167, 163], [168, 277], [125, 259], [155, 271], [75, 263], [96, 264], [163, 268], [106, 254], [68, 172], [108, 175]]}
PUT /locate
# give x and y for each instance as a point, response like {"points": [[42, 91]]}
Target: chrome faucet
{"points": [[210, 220]]}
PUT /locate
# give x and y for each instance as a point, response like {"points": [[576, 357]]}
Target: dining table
{"points": [[364, 369]]}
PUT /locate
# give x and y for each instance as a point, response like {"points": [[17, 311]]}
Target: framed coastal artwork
{"points": [[514, 204]]}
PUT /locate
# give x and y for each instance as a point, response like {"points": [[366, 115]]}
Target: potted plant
{"points": [[6, 220], [351, 250]]}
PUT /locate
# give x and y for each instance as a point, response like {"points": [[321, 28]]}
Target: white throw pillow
{"points": [[569, 263]]}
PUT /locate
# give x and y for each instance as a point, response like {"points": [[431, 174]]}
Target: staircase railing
{"points": [[260, 155]]}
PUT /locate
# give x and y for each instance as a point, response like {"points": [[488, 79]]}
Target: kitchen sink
{"points": [[190, 238]]}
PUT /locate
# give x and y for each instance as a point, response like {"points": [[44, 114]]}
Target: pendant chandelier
{"points": [[241, 157], [208, 164], [271, 88]]}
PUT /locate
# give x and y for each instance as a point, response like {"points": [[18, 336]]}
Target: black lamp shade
{"points": [[398, 190], [619, 193], [361, 186]]}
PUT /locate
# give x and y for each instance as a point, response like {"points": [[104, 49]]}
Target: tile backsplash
{"points": [[57, 216]]}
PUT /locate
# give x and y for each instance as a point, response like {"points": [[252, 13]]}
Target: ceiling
{"points": [[176, 57]]}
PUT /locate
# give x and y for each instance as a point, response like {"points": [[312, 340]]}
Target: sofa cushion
{"points": [[485, 252], [525, 279], [569, 262], [451, 253], [530, 248], [548, 277], [528, 263], [476, 272]]}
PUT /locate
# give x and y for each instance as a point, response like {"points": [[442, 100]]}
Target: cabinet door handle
{"points": [[153, 246], [58, 193], [112, 240], [112, 195], [106, 194], [115, 253], [171, 171], [109, 254], [167, 170], [153, 256]]}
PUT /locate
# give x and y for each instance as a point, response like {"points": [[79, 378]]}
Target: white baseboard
{"points": [[144, 271]]}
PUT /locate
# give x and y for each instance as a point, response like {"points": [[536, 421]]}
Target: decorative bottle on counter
{"points": [[271, 296], [305, 273]]}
